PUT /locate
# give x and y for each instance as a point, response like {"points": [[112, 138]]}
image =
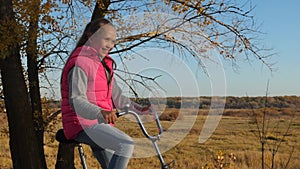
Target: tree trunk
{"points": [[100, 9], [34, 86], [23, 142], [65, 156]]}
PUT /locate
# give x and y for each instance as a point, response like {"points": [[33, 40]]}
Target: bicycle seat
{"points": [[60, 137]]}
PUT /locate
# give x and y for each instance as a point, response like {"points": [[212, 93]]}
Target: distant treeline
{"points": [[230, 102], [205, 102]]}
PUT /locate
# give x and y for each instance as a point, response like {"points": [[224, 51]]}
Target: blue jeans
{"points": [[112, 147]]}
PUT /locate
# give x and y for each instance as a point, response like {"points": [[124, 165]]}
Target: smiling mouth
{"points": [[105, 50]]}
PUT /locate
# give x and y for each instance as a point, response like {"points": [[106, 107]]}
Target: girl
{"points": [[89, 96]]}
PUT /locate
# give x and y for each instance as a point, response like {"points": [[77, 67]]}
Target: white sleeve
{"points": [[77, 94]]}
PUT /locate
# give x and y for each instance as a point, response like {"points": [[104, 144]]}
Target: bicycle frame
{"points": [[154, 138]]}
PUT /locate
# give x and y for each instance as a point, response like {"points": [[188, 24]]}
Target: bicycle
{"points": [[62, 139]]}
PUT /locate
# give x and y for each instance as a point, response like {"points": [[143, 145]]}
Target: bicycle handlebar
{"points": [[160, 129], [152, 138]]}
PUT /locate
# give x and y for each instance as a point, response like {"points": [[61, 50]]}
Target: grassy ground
{"points": [[234, 144]]}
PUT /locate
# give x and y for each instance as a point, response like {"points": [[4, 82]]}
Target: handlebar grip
{"points": [[118, 115], [126, 108]]}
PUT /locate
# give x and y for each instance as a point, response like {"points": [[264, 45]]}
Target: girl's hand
{"points": [[109, 116]]}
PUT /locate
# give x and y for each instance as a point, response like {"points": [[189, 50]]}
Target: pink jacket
{"points": [[98, 91]]}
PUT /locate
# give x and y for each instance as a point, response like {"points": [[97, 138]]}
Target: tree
{"points": [[271, 134], [23, 143], [222, 25], [28, 20], [33, 79]]}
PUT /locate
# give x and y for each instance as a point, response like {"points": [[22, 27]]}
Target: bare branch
{"points": [[52, 117]]}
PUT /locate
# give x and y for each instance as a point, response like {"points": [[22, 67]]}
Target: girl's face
{"points": [[104, 39]]}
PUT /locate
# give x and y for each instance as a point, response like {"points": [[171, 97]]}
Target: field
{"points": [[234, 143]]}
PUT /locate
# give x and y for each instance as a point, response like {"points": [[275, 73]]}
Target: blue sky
{"points": [[280, 21], [281, 24]]}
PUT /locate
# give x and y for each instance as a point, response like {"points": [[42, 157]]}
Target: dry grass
{"points": [[234, 136]]}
